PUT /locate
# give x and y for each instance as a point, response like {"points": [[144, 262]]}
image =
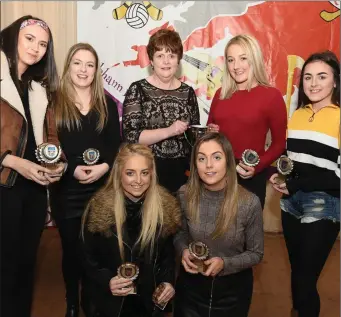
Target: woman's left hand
{"points": [[167, 293], [215, 265], [245, 171], [94, 173], [282, 188]]}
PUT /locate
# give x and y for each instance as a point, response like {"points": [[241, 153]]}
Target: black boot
{"points": [[72, 311]]}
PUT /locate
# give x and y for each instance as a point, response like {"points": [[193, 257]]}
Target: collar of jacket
{"points": [[37, 99], [101, 216]]}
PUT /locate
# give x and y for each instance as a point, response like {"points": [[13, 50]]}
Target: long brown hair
{"points": [[66, 112], [195, 186], [152, 210]]}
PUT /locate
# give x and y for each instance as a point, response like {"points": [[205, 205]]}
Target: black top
{"points": [[133, 304], [68, 196], [31, 142], [31, 145], [147, 107]]}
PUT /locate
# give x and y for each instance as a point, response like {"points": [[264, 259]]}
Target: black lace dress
{"points": [[147, 107]]}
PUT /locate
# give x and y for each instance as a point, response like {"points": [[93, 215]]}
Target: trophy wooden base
{"points": [[280, 179], [202, 267], [51, 167], [132, 291], [157, 294]]}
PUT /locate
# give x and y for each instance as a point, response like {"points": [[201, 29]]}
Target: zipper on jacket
{"points": [[156, 254], [131, 260], [211, 298]]}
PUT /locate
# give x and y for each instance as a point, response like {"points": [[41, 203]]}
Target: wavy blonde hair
{"points": [[66, 112], [255, 59], [195, 186], [152, 210]]}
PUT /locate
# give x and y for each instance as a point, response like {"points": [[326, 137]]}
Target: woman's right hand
{"points": [[27, 169], [116, 285], [187, 263], [213, 127], [80, 172], [178, 127]]}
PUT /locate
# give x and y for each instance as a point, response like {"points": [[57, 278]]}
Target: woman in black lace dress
{"points": [[158, 110]]}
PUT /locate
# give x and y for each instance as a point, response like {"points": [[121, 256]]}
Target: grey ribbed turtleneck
{"points": [[243, 244]]}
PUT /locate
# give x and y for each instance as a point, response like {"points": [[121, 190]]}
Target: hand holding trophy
{"points": [[156, 295], [200, 253], [284, 167], [129, 271], [48, 155]]}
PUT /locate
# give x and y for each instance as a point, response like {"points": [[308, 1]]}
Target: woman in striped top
{"points": [[311, 202]]}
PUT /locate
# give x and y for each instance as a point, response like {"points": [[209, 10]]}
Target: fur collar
{"points": [[102, 219], [37, 99]]}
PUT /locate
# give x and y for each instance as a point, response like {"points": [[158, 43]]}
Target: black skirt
{"points": [[172, 172], [201, 296]]}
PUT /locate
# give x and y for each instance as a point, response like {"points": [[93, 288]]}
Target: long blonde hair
{"points": [[66, 112], [195, 186], [152, 210], [255, 60]]}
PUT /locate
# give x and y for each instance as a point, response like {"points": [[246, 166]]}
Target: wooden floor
{"points": [[271, 290]]}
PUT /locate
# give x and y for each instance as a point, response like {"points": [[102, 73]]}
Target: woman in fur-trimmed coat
{"points": [[131, 219]]}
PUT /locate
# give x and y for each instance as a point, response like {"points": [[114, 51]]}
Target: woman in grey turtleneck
{"points": [[228, 220]]}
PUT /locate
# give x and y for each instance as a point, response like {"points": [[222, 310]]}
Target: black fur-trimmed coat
{"points": [[101, 256]]}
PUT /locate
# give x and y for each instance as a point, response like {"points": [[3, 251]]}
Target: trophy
{"points": [[90, 156], [200, 253], [284, 167], [48, 155], [129, 271], [194, 132], [249, 158], [157, 294]]}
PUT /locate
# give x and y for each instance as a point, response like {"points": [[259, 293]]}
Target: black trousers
{"points": [[308, 245], [256, 185], [23, 212], [69, 231]]}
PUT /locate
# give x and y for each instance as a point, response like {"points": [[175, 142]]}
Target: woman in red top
{"points": [[245, 108]]}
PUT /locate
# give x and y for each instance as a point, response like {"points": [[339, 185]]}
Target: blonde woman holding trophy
{"points": [[127, 239], [245, 108]]}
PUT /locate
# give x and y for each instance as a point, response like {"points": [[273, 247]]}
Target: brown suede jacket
{"points": [[13, 136]]}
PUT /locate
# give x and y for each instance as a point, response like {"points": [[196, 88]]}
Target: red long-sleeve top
{"points": [[245, 119]]}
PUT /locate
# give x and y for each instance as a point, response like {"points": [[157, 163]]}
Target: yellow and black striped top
{"points": [[313, 143]]}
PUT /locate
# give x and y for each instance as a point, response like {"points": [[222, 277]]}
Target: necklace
{"points": [[311, 118]]}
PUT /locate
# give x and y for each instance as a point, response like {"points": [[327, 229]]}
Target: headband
{"points": [[34, 22]]}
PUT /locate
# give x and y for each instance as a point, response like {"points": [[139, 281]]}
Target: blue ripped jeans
{"points": [[313, 204]]}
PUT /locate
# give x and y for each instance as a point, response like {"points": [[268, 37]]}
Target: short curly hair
{"points": [[164, 38]]}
